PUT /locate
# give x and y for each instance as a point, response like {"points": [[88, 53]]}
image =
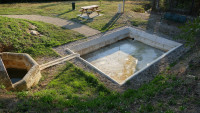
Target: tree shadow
{"points": [[45, 6], [72, 25], [81, 20], [64, 13], [111, 22]]}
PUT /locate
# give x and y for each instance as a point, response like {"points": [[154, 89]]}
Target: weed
{"points": [[172, 101], [182, 108], [2, 87], [146, 108], [138, 9], [173, 64], [1, 105], [22, 94], [169, 111], [137, 22]]}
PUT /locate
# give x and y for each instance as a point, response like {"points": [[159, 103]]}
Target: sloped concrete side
{"points": [[4, 78], [152, 40], [109, 38], [94, 44]]}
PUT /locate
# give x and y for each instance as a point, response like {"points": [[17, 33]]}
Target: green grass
{"points": [[138, 9], [137, 22], [15, 37], [79, 91], [71, 86], [63, 10], [74, 90]]}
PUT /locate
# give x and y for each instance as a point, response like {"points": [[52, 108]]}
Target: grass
{"points": [[137, 22], [63, 10], [15, 37], [71, 86], [138, 9], [74, 90]]}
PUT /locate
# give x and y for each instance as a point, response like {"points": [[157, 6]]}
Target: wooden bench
{"points": [[82, 11], [88, 13], [98, 11], [92, 8]]}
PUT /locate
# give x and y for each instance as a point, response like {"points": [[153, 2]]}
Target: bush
{"points": [[138, 9], [137, 22], [147, 6]]}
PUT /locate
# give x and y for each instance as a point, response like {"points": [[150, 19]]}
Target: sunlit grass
{"points": [[15, 37], [63, 10], [79, 91]]}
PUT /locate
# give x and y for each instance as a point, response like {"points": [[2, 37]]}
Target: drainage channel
{"points": [[57, 61]]}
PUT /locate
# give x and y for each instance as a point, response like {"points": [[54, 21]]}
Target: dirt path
{"points": [[83, 29]]}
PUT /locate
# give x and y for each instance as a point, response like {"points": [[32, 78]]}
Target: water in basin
{"points": [[16, 74], [123, 58]]}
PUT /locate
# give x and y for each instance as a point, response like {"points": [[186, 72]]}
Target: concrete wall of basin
{"points": [[98, 43], [173, 51], [148, 73], [107, 39]]}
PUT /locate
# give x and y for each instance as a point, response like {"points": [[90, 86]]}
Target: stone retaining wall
{"points": [[4, 78], [20, 61]]}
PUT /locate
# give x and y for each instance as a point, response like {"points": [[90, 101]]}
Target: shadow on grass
{"points": [[67, 67], [45, 6], [64, 13], [112, 21]]}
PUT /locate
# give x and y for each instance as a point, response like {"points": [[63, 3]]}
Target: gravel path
{"points": [[83, 29]]}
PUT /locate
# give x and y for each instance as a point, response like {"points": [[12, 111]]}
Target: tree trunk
{"points": [[156, 5], [192, 7]]}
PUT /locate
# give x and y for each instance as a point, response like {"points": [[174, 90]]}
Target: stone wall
{"points": [[4, 77], [16, 60], [20, 61]]}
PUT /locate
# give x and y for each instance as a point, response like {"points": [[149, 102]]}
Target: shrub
{"points": [[137, 22], [138, 9]]}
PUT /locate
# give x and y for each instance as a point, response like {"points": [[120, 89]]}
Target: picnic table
{"points": [[93, 8]]}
